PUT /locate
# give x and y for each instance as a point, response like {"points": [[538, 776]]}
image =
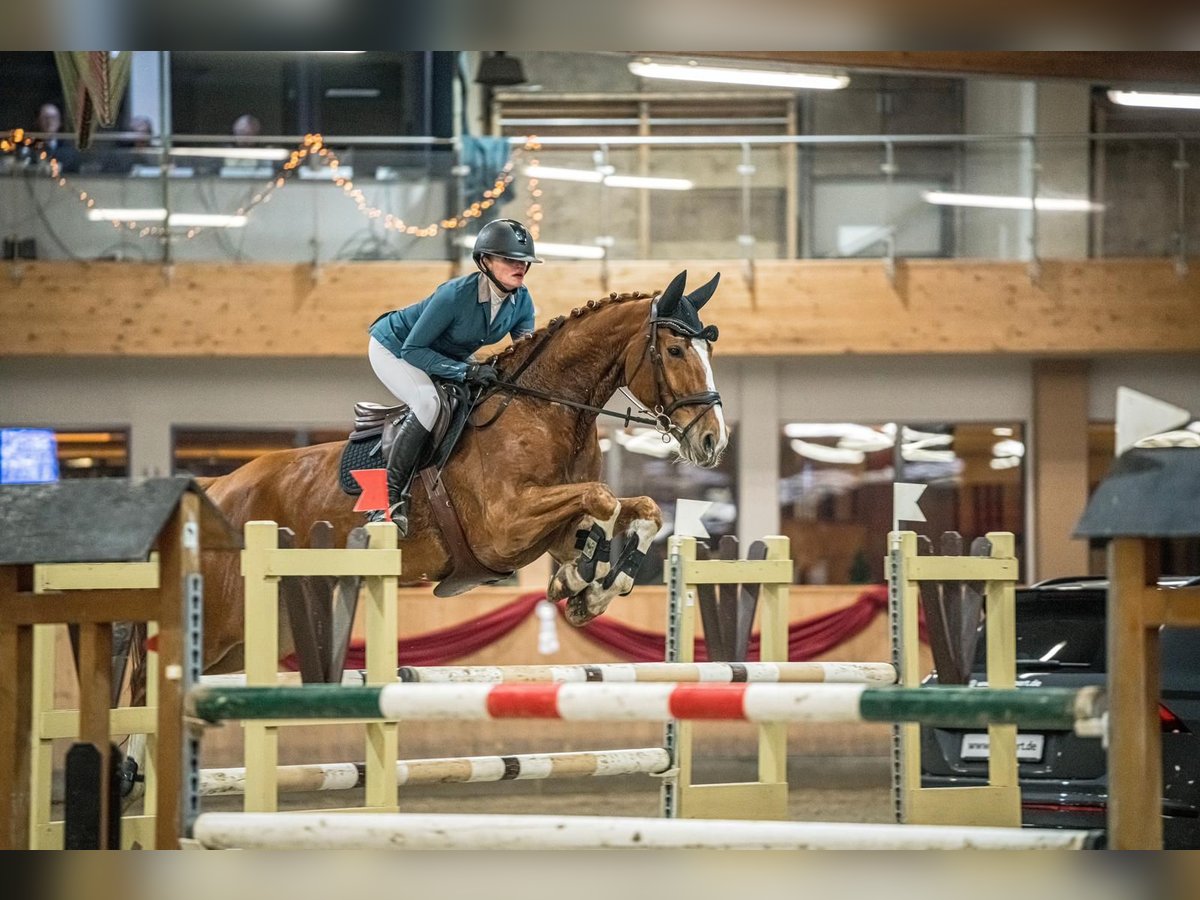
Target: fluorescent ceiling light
{"points": [[1008, 448], [598, 176], [1004, 201], [553, 173], [1155, 100], [183, 220], [692, 71], [267, 153], [545, 248], [575, 251], [821, 453], [144, 214], [206, 220], [646, 181]]}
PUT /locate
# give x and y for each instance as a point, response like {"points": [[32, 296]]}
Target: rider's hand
{"points": [[481, 374]]}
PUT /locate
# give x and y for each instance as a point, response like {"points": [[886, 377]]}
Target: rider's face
{"points": [[509, 272]]}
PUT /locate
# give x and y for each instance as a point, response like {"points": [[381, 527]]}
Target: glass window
{"points": [[836, 489], [218, 451], [637, 463], [94, 453]]}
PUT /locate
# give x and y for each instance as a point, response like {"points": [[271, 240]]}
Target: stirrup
{"points": [[399, 516]]}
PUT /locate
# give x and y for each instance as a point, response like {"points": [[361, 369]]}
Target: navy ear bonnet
{"points": [[681, 312]]}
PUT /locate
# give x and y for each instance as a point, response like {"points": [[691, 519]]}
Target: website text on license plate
{"points": [[1029, 747]]}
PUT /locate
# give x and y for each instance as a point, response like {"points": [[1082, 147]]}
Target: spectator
{"points": [[48, 127], [245, 128]]}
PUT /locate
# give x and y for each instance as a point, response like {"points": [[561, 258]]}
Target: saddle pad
{"points": [[362, 454]]}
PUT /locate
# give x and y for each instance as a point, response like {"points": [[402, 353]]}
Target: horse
{"points": [[524, 476]]}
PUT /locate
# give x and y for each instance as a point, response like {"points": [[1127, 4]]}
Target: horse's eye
{"points": [[675, 351]]}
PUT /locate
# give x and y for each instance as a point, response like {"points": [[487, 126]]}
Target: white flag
{"points": [[687, 517], [1140, 415], [904, 503]]}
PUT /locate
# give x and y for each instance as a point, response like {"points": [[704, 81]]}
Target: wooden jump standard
{"points": [[382, 831], [951, 707]]}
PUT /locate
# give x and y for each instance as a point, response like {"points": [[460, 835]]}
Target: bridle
{"points": [[659, 418], [706, 400]]}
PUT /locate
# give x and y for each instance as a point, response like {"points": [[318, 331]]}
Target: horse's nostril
{"points": [[710, 443]]}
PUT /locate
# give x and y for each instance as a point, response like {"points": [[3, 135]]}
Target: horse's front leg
{"points": [[640, 517], [541, 511]]}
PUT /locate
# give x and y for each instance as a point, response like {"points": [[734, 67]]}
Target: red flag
{"points": [[374, 491]]}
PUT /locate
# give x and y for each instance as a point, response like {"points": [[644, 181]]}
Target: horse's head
{"points": [[678, 383]]}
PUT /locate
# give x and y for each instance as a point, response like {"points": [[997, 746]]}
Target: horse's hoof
{"points": [[565, 583], [576, 611]]}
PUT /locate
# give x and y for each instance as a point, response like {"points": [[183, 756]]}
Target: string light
{"points": [[313, 146]]}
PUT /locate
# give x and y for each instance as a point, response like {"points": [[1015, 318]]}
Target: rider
{"points": [[437, 336]]}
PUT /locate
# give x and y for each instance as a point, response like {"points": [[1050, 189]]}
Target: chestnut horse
{"points": [[526, 483]]}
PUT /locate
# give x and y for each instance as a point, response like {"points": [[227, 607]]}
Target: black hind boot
{"points": [[411, 438]]}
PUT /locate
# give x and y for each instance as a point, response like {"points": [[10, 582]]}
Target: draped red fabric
{"points": [[807, 639]]}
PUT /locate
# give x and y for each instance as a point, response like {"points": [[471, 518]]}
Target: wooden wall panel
{"points": [[776, 308]]}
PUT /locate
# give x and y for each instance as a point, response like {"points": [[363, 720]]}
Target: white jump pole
{"points": [[398, 831], [680, 673], [449, 770]]}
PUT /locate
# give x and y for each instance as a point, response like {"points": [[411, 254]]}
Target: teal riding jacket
{"points": [[440, 332]]}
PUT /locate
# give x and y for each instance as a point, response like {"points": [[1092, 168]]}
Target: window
{"points": [[94, 453], [218, 451], [836, 489]]}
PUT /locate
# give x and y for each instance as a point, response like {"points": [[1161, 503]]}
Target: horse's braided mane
{"points": [[527, 343]]}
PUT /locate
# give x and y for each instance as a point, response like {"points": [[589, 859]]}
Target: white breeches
{"points": [[406, 382]]}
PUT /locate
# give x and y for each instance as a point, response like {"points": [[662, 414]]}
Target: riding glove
{"points": [[481, 374]]}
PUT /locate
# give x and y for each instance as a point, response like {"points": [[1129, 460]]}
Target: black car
{"points": [[1064, 784]]}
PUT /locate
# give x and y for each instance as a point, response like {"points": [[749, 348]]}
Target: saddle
{"points": [[369, 446]]}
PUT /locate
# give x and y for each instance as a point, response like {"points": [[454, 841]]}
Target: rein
{"points": [[661, 421]]}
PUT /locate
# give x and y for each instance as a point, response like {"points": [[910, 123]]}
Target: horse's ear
{"points": [[668, 301], [701, 295]]}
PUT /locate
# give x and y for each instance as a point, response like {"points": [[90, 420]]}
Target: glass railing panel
{"points": [[851, 197]]}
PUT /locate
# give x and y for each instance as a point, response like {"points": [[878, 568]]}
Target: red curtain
{"points": [[807, 639]]}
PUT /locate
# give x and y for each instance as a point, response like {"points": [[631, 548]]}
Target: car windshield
{"points": [[1056, 635]]}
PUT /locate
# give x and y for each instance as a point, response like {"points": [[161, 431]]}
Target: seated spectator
{"points": [[245, 128], [47, 128]]}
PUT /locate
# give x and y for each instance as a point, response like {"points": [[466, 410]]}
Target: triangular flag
{"points": [[687, 517], [1140, 415], [904, 503], [374, 491]]}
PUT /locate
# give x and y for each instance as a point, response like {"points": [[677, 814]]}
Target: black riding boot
{"points": [[402, 463]]}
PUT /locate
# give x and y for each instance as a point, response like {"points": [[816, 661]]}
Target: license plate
{"points": [[1030, 747]]}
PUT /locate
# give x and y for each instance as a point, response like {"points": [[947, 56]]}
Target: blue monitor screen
{"points": [[28, 455]]}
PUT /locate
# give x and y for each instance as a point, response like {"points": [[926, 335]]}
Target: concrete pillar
{"points": [[144, 84], [758, 451], [1058, 475]]}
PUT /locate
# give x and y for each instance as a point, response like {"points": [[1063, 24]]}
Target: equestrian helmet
{"points": [[507, 238]]}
